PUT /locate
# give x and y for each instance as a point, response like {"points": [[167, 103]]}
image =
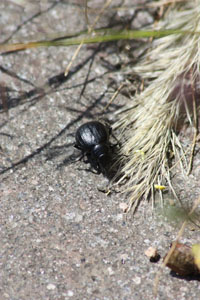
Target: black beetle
{"points": [[92, 138]]}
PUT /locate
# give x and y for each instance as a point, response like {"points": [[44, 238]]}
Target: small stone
{"points": [[30, 219], [6, 295], [184, 289], [119, 217], [38, 240], [51, 286], [78, 218], [123, 257], [123, 206], [146, 241], [143, 19], [70, 216], [152, 253], [70, 293], [110, 271], [51, 189], [137, 280]]}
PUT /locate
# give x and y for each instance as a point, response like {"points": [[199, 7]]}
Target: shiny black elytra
{"points": [[92, 138]]}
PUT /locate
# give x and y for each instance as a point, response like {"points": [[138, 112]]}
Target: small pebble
{"points": [[70, 293], [123, 206], [137, 280], [152, 253], [110, 271], [51, 286]]}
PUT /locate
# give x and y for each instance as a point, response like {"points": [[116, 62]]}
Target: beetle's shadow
{"points": [[27, 94], [68, 154]]}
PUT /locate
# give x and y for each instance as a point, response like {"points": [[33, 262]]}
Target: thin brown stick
{"points": [[195, 127], [91, 28], [114, 96]]}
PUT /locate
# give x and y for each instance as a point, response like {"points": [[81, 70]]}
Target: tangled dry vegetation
{"points": [[152, 122]]}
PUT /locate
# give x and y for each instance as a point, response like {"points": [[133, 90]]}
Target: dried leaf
{"points": [[182, 261]]}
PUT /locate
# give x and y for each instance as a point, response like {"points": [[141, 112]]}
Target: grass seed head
{"points": [[149, 124]]}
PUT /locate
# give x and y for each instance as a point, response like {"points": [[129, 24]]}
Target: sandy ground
{"points": [[61, 238]]}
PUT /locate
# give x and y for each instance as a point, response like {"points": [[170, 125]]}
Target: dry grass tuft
{"points": [[152, 120]]}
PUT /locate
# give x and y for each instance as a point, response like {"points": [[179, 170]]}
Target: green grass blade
{"points": [[98, 36]]}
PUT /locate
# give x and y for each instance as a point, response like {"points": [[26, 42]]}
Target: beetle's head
{"points": [[101, 154], [100, 151]]}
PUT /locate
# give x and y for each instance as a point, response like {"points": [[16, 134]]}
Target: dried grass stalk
{"points": [[149, 124]]}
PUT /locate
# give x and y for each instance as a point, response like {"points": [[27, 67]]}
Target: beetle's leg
{"points": [[97, 171], [77, 147], [80, 157], [86, 160], [83, 154], [94, 168]]}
